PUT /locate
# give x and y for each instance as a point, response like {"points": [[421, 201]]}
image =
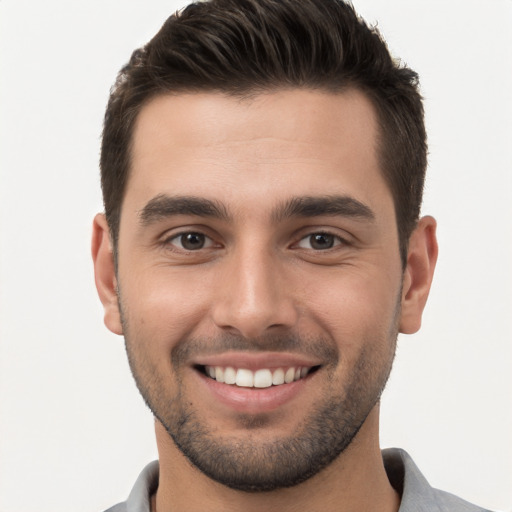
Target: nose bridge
{"points": [[253, 296]]}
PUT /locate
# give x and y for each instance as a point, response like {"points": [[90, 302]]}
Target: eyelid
{"points": [[341, 238], [167, 240], [337, 240], [208, 241]]}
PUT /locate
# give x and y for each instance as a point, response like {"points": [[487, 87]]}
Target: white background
{"points": [[74, 433]]}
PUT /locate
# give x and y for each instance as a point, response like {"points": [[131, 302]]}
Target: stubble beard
{"points": [[256, 466], [250, 464]]}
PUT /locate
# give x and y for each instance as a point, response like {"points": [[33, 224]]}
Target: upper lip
{"points": [[255, 361]]}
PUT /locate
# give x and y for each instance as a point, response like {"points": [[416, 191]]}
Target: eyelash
{"points": [[179, 236], [209, 242], [336, 239]]}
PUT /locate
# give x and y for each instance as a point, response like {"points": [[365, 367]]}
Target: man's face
{"points": [[258, 244]]}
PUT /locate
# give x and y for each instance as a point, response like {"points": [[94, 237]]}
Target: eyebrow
{"points": [[163, 206], [313, 206]]}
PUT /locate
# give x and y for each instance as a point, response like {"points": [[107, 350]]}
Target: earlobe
{"points": [[421, 262], [104, 273]]}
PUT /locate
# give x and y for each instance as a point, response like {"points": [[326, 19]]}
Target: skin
{"points": [[259, 280]]}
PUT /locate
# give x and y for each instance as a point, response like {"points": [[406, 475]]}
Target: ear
{"points": [[105, 274], [418, 274]]}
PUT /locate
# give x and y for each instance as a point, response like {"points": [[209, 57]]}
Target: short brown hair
{"points": [[242, 47]]}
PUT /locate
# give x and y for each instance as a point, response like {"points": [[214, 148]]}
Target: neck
{"points": [[356, 481]]}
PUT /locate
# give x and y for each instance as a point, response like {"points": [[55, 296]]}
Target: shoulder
{"points": [[450, 502], [120, 507], [416, 493], [140, 495]]}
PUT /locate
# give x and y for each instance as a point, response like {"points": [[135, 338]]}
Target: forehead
{"points": [[290, 142]]}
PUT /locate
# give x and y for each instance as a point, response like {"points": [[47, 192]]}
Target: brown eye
{"points": [[319, 241], [191, 241]]}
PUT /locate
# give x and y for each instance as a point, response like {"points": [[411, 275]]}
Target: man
{"points": [[262, 172]]}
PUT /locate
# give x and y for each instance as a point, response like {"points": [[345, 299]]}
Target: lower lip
{"points": [[253, 400]]}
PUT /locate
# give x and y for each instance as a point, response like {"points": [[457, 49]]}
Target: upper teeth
{"points": [[263, 378]]}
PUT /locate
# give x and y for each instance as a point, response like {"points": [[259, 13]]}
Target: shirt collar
{"points": [[139, 499], [416, 493], [405, 477]]}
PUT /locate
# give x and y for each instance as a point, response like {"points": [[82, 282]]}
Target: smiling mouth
{"points": [[262, 378]]}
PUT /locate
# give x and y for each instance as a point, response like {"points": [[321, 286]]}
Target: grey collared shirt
{"points": [[416, 493]]}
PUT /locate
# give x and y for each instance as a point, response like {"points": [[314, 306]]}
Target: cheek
{"points": [[356, 306], [163, 306]]}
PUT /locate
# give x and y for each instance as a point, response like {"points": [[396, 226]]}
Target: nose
{"points": [[255, 294]]}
